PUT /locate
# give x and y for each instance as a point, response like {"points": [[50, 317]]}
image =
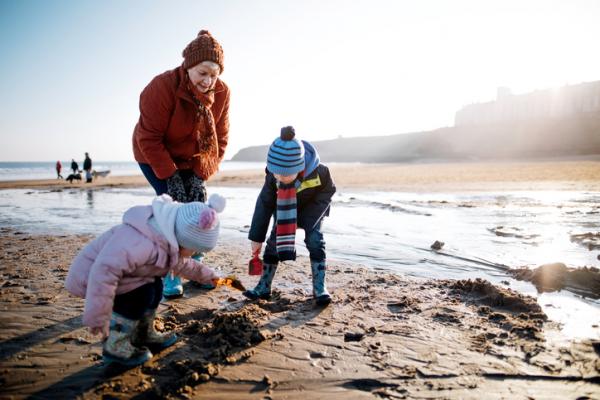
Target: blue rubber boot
{"points": [[118, 347], [320, 292], [172, 287], [146, 335], [263, 288]]}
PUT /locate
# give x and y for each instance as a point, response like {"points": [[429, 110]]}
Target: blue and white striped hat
{"points": [[286, 154]]}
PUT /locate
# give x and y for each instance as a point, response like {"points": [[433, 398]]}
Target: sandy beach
{"points": [[423, 177], [447, 190], [384, 335]]}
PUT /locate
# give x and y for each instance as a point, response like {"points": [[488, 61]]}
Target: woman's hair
{"points": [[211, 63]]}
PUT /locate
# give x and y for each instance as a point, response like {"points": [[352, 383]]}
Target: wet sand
{"points": [[422, 177], [384, 336]]}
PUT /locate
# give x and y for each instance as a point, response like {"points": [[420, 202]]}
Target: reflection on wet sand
{"points": [[90, 198]]}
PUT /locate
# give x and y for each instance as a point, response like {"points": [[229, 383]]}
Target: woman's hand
{"points": [[176, 189]]}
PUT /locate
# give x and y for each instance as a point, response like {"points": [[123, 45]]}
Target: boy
{"points": [[297, 193]]}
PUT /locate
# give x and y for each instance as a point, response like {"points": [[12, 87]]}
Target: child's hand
{"points": [[99, 330], [255, 246], [216, 276], [206, 275]]}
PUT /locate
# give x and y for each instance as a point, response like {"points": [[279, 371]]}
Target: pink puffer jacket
{"points": [[126, 257]]}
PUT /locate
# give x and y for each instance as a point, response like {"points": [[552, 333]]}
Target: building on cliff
{"points": [[567, 101]]}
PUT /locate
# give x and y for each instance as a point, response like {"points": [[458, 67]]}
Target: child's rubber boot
{"points": [[263, 288], [146, 335], [206, 286], [172, 287], [320, 292], [118, 347]]}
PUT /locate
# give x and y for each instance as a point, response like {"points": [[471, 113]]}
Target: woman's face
{"points": [[204, 75]]}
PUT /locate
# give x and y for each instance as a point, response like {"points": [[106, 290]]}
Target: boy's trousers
{"points": [[314, 243]]}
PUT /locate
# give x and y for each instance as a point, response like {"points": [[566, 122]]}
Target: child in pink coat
{"points": [[119, 273]]}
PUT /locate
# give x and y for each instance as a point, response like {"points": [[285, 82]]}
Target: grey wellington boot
{"points": [[263, 288], [118, 348], [320, 292], [146, 335]]}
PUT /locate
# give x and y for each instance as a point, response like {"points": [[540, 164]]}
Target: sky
{"points": [[71, 72]]}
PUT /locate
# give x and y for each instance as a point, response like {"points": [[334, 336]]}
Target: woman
{"points": [[183, 129]]}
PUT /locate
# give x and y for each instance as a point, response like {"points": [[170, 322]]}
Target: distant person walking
{"points": [[87, 167], [58, 169], [183, 128], [74, 166]]}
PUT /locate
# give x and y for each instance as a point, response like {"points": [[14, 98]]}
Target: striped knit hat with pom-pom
{"points": [[203, 48], [286, 154], [197, 224]]}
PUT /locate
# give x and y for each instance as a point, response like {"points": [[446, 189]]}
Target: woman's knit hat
{"points": [[286, 154], [197, 224], [203, 48]]}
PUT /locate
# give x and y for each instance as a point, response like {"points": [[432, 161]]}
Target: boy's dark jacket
{"points": [[313, 197]]}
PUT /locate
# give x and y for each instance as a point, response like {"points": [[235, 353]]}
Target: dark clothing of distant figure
{"points": [[87, 167], [87, 164], [58, 169], [74, 166]]}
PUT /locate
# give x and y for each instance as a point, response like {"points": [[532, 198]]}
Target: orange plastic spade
{"points": [[230, 280]]}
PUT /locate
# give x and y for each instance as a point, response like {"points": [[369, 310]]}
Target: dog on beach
{"points": [[102, 174], [73, 177]]}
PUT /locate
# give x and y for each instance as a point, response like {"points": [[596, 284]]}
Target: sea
{"points": [[484, 233], [16, 171]]}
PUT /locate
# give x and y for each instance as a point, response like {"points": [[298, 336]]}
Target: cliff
{"points": [[574, 136]]}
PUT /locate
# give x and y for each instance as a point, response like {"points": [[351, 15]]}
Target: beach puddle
{"points": [[507, 231], [589, 240]]}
